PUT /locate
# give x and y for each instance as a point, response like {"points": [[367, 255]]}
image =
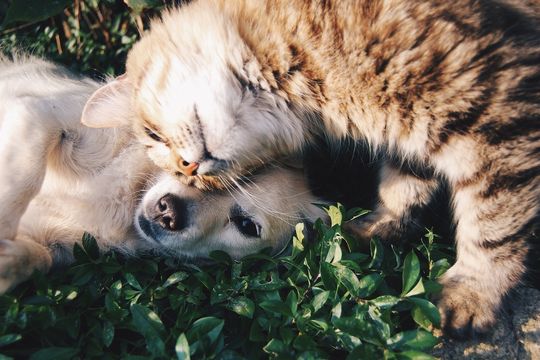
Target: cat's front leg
{"points": [[401, 192], [19, 259], [494, 227]]}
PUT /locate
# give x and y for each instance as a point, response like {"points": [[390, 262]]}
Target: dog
{"points": [[60, 179]]}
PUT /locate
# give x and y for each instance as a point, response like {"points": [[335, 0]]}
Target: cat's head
{"points": [[197, 99]]}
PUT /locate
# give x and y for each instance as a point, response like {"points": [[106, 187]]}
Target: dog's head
{"points": [[260, 213]]}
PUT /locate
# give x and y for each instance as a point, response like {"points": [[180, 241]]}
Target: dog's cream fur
{"points": [[60, 179]]}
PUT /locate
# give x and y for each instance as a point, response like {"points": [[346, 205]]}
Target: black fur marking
{"points": [[525, 232], [528, 90], [496, 133], [461, 122], [511, 182], [381, 65]]}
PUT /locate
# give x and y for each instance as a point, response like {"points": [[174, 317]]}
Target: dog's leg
{"points": [[27, 133], [19, 259]]}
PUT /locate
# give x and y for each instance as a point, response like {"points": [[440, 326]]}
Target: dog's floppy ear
{"points": [[109, 106]]}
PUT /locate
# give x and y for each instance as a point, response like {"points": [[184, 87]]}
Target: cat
{"points": [[449, 90], [60, 179]]}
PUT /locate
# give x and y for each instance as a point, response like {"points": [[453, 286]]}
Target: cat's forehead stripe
{"points": [[163, 75], [149, 122]]}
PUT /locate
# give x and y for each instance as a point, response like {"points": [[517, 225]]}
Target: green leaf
{"points": [[175, 278], [361, 329], [304, 342], [327, 276], [131, 280], [377, 253], [385, 301], [278, 307], [335, 215], [33, 10], [139, 5], [438, 268], [242, 306], [90, 246], [204, 333], [430, 311], [365, 351], [417, 289], [79, 253], [56, 353], [116, 289], [432, 287], [9, 339], [319, 325], [182, 348], [348, 278], [275, 347], [298, 240], [421, 319], [412, 340], [414, 355], [334, 253], [319, 300], [108, 333], [411, 272], [148, 323], [355, 213], [292, 302], [369, 284]]}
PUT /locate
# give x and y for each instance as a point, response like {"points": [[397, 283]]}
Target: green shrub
{"points": [[325, 299]]}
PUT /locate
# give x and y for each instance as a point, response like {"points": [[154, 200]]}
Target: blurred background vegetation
{"points": [[88, 36]]}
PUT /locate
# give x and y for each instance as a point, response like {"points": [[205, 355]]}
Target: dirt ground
{"points": [[516, 335]]}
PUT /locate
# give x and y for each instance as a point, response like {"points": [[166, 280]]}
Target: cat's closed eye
{"points": [[153, 135]]}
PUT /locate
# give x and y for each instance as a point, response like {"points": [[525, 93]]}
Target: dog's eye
{"points": [[246, 226], [153, 135]]}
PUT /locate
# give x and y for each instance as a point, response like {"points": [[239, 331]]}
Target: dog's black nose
{"points": [[171, 213]]}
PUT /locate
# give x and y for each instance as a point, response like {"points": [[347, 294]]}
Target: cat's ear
{"points": [[109, 106]]}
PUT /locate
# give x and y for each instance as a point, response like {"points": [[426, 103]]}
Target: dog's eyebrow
{"points": [[236, 211]]}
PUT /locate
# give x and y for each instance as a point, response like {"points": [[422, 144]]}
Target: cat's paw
{"points": [[377, 224], [466, 310]]}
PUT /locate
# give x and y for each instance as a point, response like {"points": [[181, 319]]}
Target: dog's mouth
{"points": [[146, 227]]}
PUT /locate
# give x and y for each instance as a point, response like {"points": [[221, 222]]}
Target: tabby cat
{"points": [[219, 87]]}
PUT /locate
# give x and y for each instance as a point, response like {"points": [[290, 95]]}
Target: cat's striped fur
{"points": [[453, 87]]}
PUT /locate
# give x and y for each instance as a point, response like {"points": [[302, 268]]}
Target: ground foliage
{"points": [[324, 299]]}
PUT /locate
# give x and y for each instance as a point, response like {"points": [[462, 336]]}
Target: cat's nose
{"points": [[170, 213], [188, 168]]}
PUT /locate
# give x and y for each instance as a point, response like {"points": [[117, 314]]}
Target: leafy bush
{"points": [[326, 299]]}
